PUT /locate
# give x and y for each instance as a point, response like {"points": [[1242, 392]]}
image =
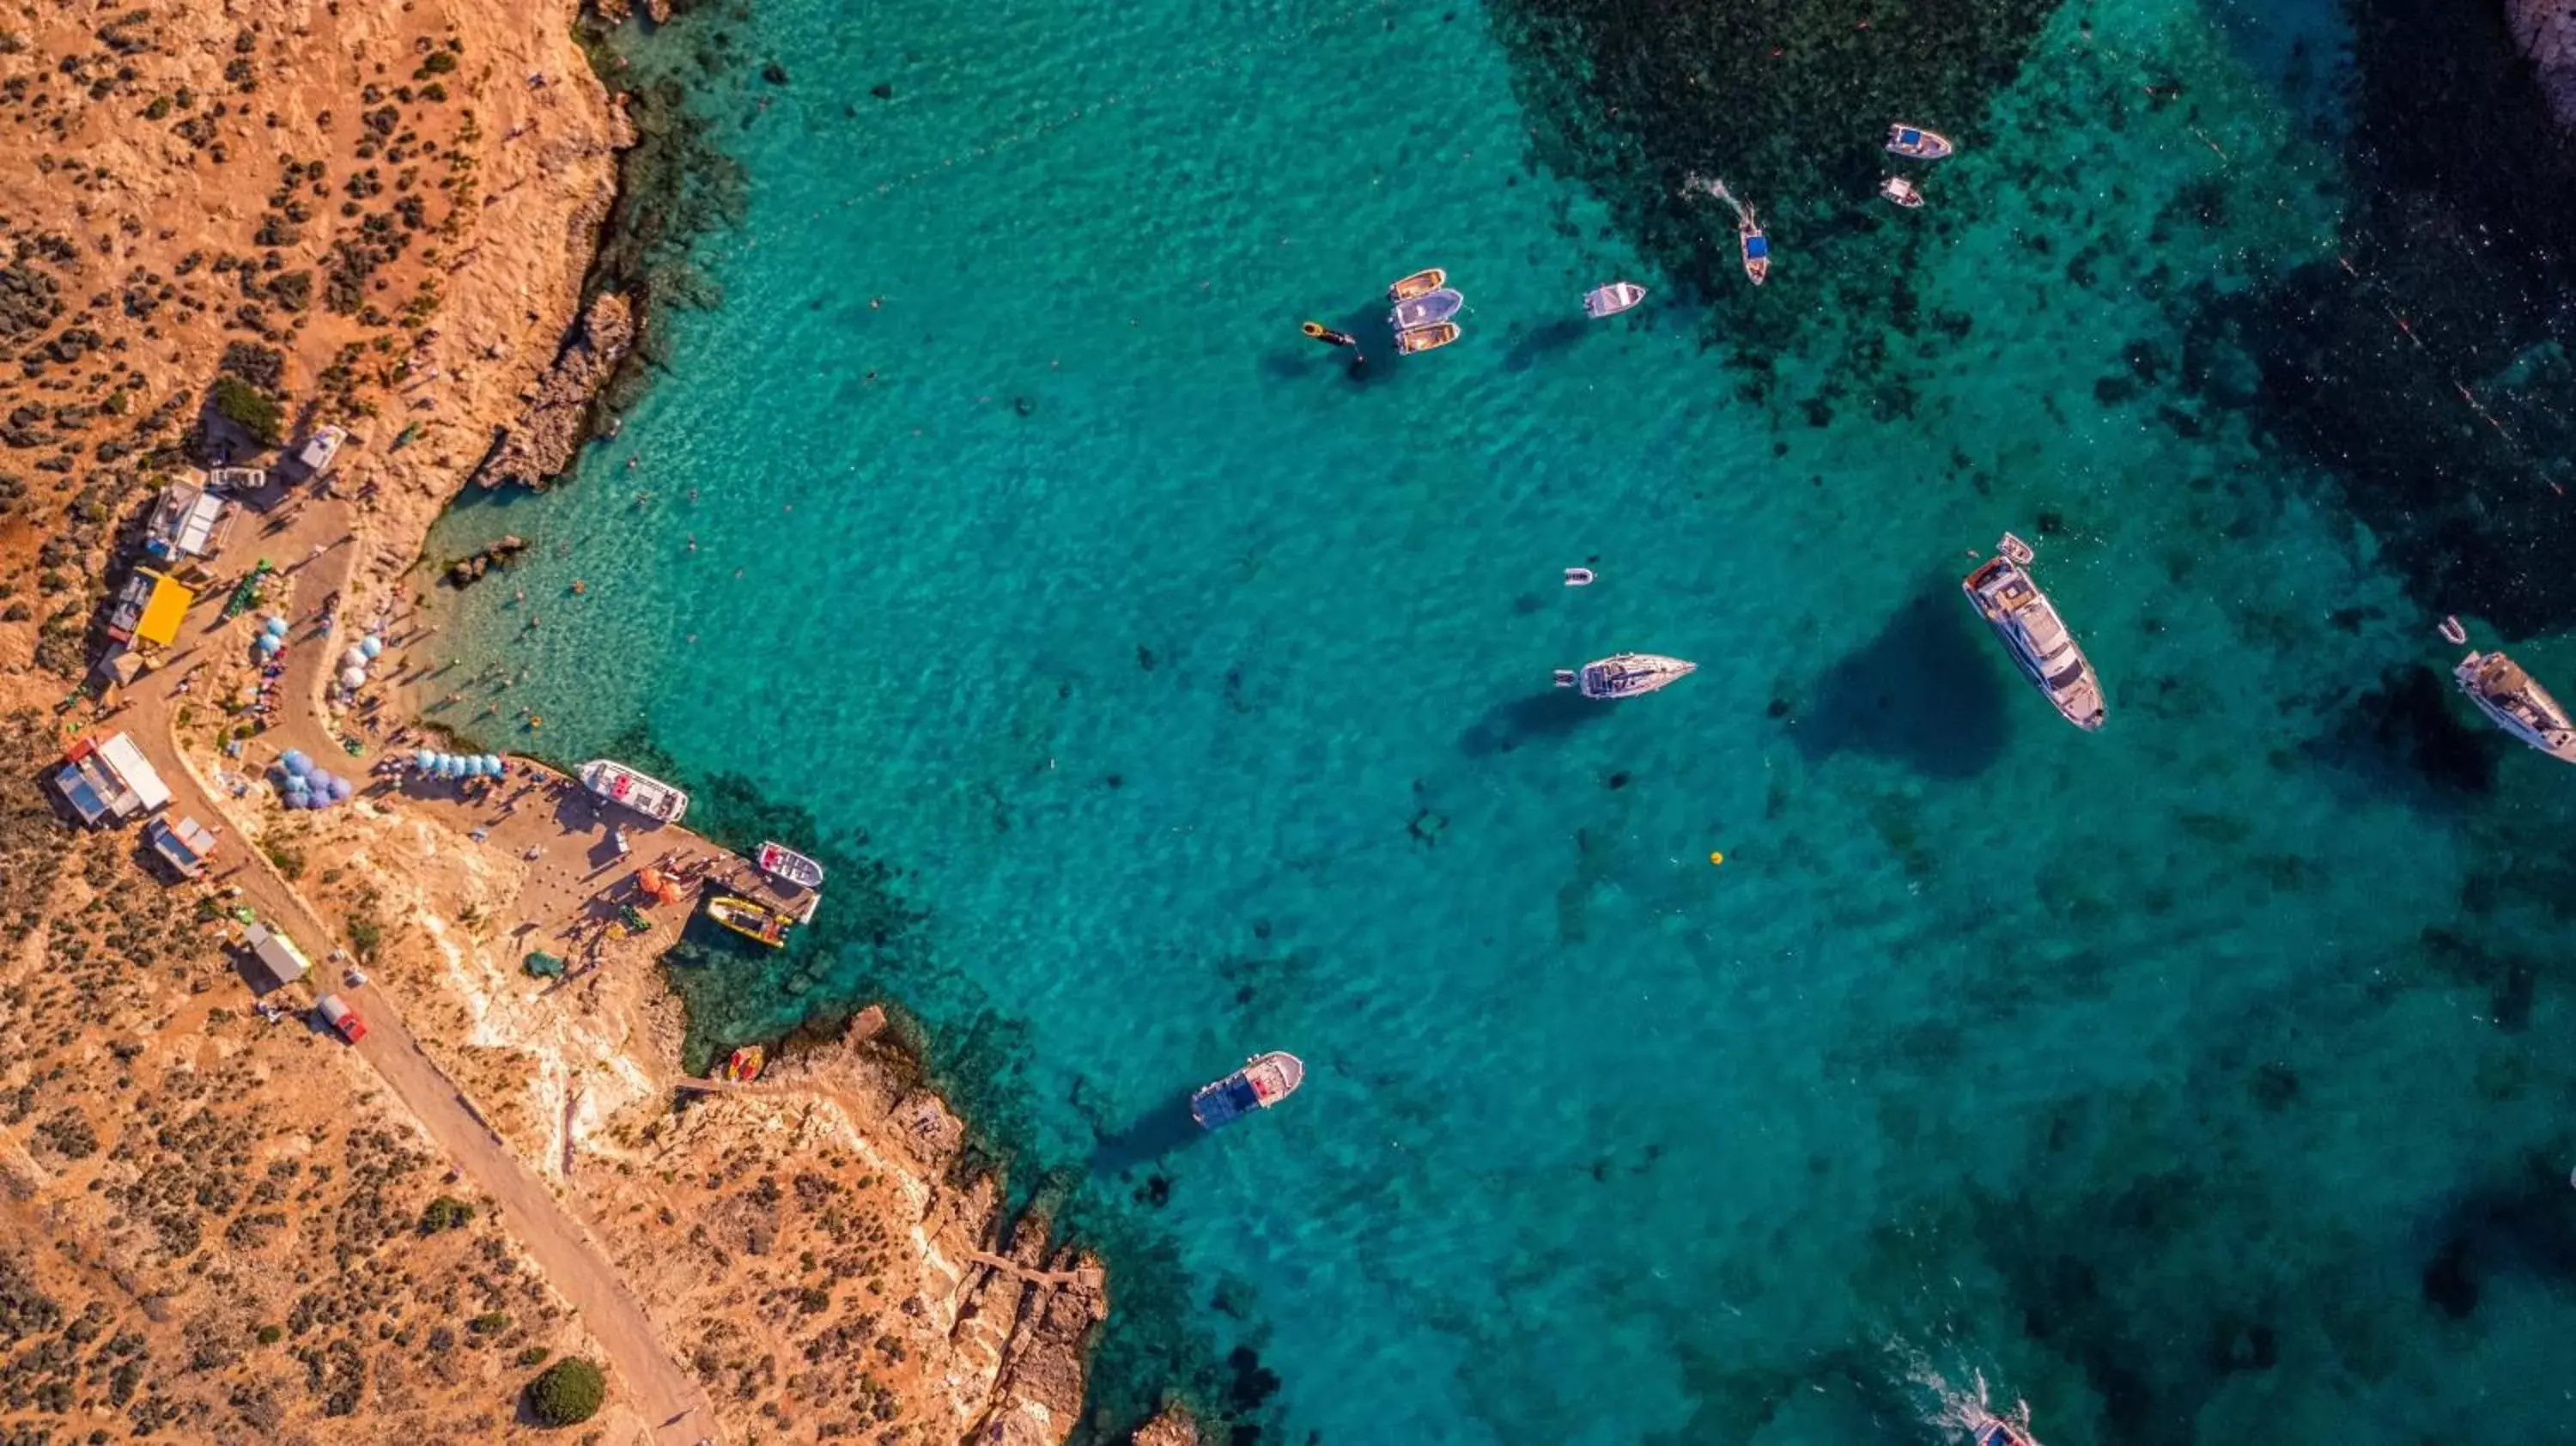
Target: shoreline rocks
{"points": [[557, 420], [2545, 32], [468, 570]]}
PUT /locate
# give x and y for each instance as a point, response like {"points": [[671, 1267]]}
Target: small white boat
{"points": [[2021, 615], [1917, 143], [1428, 309], [1425, 338], [320, 450], [1626, 675], [1902, 192], [787, 865], [1264, 1080], [2519, 706], [1612, 299], [643, 793]]}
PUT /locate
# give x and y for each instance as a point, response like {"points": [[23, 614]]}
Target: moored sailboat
{"points": [[1626, 675], [2519, 706], [1264, 1080], [2021, 615]]}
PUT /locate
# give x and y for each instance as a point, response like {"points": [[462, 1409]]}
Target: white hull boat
{"points": [[1626, 675], [2021, 615], [1612, 299], [641, 792], [788, 866], [2519, 706]]}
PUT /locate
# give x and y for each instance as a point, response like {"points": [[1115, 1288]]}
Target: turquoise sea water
{"points": [[1158, 693]]}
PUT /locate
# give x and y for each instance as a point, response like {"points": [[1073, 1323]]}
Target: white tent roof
{"points": [[129, 764]]}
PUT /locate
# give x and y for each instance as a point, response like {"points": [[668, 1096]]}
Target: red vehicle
{"points": [[336, 1013]]}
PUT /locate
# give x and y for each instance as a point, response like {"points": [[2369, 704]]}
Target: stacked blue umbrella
{"points": [[272, 637], [302, 783]]}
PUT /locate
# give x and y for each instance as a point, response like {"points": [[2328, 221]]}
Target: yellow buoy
{"points": [[1717, 858]]}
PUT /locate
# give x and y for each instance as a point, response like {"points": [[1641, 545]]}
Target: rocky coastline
{"points": [[2545, 32]]}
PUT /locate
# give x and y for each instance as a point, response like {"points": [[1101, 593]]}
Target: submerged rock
{"points": [[500, 553], [557, 420]]}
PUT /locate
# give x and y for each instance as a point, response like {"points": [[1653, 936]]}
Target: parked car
{"points": [[336, 1013]]}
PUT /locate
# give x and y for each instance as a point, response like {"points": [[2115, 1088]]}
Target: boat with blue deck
{"points": [[1917, 143], [1264, 1080]]}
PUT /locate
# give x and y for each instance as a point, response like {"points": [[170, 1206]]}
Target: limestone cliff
{"points": [[2545, 31]]}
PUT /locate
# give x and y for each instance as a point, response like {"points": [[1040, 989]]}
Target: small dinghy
{"points": [[1916, 142], [1612, 299], [788, 866], [752, 921], [1578, 577], [743, 1065], [1430, 307], [1756, 247], [1430, 278], [1264, 1080], [1902, 192], [1426, 338]]}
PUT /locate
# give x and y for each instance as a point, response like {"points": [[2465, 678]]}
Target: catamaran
{"points": [[1626, 675], [2034, 634], [783, 863], [641, 792], [2521, 707], [1264, 1080]]}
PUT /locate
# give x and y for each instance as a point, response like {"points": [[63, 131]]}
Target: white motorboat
{"points": [[2519, 706], [1612, 299], [1626, 675], [641, 792], [2021, 615]]}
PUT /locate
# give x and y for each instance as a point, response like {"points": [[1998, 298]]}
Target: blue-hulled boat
{"points": [[1916, 142], [1264, 1080], [1757, 248]]}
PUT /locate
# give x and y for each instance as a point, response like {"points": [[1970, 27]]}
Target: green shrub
{"points": [[252, 410], [445, 1213], [567, 1393]]}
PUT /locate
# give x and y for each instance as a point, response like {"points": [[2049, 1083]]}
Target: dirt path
{"points": [[661, 1391]]}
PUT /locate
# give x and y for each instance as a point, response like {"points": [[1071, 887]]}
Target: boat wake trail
{"points": [[1960, 1410], [1695, 185]]}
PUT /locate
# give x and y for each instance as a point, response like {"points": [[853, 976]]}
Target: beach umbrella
{"points": [[341, 788], [450, 767], [293, 760], [269, 644], [353, 677], [423, 758], [372, 646], [354, 658], [491, 766], [275, 627]]}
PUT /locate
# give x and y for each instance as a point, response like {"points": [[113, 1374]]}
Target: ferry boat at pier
{"points": [[641, 792], [1264, 1080], [2034, 634], [2519, 706], [1626, 675], [788, 866]]}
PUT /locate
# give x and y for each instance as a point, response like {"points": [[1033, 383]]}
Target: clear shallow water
{"points": [[2188, 1080]]}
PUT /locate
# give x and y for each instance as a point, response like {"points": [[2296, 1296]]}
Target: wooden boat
{"points": [[1626, 675], [1756, 248], [647, 795], [2521, 707], [788, 866], [1902, 192], [1426, 338], [752, 921], [2021, 615], [743, 1065], [1612, 299], [1416, 312], [1916, 142], [1264, 1080], [1428, 279]]}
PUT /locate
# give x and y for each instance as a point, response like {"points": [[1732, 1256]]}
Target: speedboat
{"points": [[1264, 1080], [1430, 278], [1425, 338], [783, 863], [1424, 310], [641, 792], [1612, 299], [2521, 707], [756, 922], [1916, 142], [1626, 675], [1986, 1428], [2034, 634], [1756, 247], [1901, 191]]}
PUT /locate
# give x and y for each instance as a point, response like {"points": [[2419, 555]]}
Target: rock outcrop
{"points": [[1172, 1428], [540, 445], [2545, 31]]}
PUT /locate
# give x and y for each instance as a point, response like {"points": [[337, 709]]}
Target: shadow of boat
{"points": [[1928, 691], [1150, 1137], [1530, 718]]}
